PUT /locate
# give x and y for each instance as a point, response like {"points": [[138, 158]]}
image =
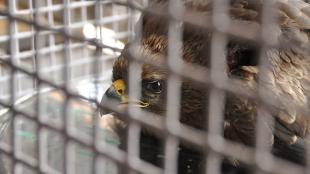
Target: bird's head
{"points": [[152, 83]]}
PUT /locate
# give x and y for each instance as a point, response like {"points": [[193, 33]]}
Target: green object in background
{"points": [[30, 135], [27, 135], [109, 138], [85, 153], [81, 111]]}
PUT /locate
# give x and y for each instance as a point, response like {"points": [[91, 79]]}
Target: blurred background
{"points": [[111, 28], [58, 51]]}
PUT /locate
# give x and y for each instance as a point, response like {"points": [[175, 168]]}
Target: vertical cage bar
{"points": [[34, 5], [95, 65], [134, 112], [216, 104], [12, 51], [262, 147], [174, 61], [52, 40], [134, 73], [220, 19], [85, 21], [131, 146], [66, 77], [131, 24], [115, 25]]}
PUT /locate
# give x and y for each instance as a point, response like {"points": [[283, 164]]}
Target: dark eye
{"points": [[155, 86]]}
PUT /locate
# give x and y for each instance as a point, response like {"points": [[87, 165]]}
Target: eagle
{"points": [[281, 85]]}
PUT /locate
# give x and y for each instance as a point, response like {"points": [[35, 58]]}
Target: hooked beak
{"points": [[117, 93]]}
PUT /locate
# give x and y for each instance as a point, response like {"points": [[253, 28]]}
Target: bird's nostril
{"points": [[120, 91]]}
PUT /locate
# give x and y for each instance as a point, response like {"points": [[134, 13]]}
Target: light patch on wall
{"points": [[107, 37]]}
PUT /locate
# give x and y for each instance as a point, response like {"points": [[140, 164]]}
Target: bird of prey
{"points": [[284, 78]]}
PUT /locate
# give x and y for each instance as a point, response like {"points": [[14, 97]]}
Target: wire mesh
{"points": [[56, 60]]}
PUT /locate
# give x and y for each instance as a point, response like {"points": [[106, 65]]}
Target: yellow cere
{"points": [[119, 86]]}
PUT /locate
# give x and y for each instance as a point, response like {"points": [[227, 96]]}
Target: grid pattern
{"points": [[48, 47]]}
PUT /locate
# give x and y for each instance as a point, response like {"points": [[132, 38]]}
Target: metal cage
{"points": [[56, 60]]}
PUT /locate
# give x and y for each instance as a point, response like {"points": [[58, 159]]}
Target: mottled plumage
{"points": [[285, 79]]}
